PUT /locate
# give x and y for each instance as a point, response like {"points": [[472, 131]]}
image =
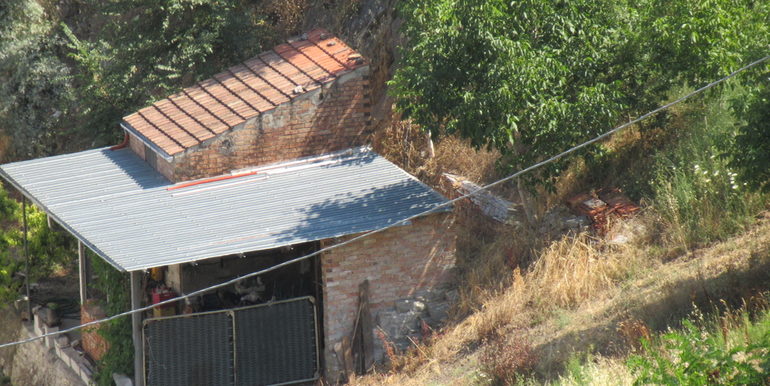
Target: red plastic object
{"points": [[159, 295]]}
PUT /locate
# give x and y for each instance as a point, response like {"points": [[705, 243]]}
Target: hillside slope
{"points": [[654, 295]]}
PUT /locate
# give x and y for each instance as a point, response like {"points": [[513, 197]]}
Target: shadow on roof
{"points": [[135, 168], [363, 211]]}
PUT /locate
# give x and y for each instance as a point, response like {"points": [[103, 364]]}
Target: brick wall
{"points": [[333, 117], [399, 263], [159, 163], [93, 343]]}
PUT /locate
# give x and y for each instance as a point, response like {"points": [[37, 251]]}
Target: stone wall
{"points": [[401, 262], [333, 117], [36, 364], [49, 362]]}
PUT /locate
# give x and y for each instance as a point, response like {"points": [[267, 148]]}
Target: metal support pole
{"points": [[83, 272], [26, 255], [136, 326]]}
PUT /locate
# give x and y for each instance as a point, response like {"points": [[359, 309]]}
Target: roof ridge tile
{"points": [[210, 107]]}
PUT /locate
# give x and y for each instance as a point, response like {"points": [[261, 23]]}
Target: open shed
{"points": [[261, 164]]}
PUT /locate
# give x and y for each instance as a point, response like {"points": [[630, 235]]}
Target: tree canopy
{"points": [[69, 71], [534, 77], [35, 85], [148, 49]]}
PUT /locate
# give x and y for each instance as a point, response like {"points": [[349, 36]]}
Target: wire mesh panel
{"points": [[190, 350], [276, 343]]}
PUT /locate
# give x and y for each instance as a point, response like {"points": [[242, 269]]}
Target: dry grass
{"points": [[406, 145], [580, 294], [486, 256], [570, 271], [583, 295], [600, 371], [574, 269]]}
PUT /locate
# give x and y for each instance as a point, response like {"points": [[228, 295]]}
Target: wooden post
{"points": [[362, 342], [136, 324], [83, 272], [26, 256], [525, 203], [366, 326], [429, 140]]}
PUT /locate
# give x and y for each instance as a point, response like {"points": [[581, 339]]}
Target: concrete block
{"points": [[51, 340], [122, 380], [437, 313], [70, 357], [62, 341], [37, 325], [86, 373]]}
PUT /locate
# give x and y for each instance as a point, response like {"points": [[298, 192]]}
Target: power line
{"points": [[397, 223]]}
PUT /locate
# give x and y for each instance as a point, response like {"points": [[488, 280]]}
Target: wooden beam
{"points": [[366, 326], [362, 342], [26, 256], [82, 272], [136, 327]]}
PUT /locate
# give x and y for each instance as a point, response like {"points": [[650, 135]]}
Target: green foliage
{"points": [[693, 186], [751, 149], [116, 288], [532, 78], [35, 87], [695, 355], [699, 40], [148, 49], [48, 249], [524, 77], [575, 368]]}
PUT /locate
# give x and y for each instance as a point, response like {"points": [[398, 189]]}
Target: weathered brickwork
{"points": [[136, 145], [93, 343], [399, 263], [326, 119], [159, 163]]}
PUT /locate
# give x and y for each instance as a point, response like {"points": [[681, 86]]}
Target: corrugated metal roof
{"points": [[271, 78], [124, 210]]}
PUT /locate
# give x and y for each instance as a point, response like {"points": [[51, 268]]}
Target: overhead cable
{"points": [[399, 222]]}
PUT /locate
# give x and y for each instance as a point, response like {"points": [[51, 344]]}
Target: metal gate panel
{"points": [[267, 344], [276, 343], [189, 350]]}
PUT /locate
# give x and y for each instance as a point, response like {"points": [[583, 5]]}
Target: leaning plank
{"points": [[491, 205]]}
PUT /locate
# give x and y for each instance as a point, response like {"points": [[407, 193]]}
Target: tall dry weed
{"points": [[405, 144], [508, 361], [568, 272], [485, 260], [577, 268]]}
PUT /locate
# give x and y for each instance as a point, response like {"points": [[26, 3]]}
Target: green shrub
{"points": [[693, 187], [752, 144], [703, 353], [115, 288], [35, 85], [48, 249]]}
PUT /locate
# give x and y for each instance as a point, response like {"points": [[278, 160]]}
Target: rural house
{"points": [[264, 162]]}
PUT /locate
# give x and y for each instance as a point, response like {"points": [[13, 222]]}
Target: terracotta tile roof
{"points": [[213, 106]]}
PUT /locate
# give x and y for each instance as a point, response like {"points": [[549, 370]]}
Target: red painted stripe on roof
{"points": [[209, 180]]}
